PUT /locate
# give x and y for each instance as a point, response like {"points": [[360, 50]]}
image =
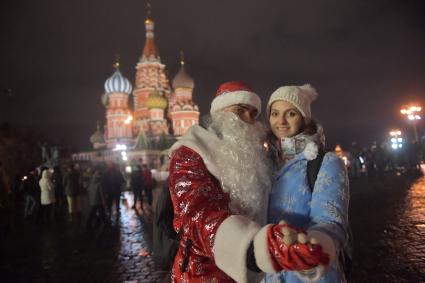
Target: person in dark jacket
{"points": [[96, 198], [165, 239], [71, 183], [136, 183], [148, 182], [58, 187], [113, 183], [29, 189], [4, 202]]}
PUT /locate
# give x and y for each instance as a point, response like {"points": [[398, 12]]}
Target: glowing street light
{"points": [[396, 139], [412, 114]]}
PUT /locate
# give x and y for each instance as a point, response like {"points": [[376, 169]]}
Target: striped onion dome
{"points": [[155, 100], [118, 83]]}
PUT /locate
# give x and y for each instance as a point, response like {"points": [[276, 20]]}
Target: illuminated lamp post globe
{"points": [[412, 114], [396, 139]]}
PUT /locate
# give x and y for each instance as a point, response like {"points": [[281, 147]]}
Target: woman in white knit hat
{"points": [[296, 144]]}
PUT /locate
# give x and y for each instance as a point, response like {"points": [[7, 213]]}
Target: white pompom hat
{"points": [[299, 96], [232, 93]]}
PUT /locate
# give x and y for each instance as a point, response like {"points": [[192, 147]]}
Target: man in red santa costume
{"points": [[219, 183]]}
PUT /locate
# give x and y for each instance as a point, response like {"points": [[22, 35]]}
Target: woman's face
{"points": [[285, 120]]}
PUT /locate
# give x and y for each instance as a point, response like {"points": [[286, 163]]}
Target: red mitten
{"points": [[290, 250]]}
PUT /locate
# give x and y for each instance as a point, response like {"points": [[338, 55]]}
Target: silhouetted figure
{"points": [[4, 202], [356, 165], [29, 190], [414, 155], [57, 181], [113, 184], [379, 158], [136, 184], [71, 182], [148, 182], [97, 201]]}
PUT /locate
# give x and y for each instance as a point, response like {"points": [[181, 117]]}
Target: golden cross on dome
{"points": [[181, 58], [148, 9], [116, 63]]}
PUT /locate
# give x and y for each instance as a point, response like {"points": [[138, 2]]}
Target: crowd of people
{"points": [[84, 194], [378, 158]]}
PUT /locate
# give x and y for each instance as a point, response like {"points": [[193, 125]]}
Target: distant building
{"points": [[160, 113]]}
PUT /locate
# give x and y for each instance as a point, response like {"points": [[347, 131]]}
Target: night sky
{"points": [[365, 58]]}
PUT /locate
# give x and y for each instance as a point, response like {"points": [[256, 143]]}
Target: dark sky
{"points": [[365, 58]]}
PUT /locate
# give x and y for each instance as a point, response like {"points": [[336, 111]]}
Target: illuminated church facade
{"points": [[160, 112]]}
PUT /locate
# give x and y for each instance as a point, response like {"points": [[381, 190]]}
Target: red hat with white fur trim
{"points": [[232, 93]]}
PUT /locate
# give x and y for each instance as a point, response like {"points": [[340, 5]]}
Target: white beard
{"points": [[245, 171]]}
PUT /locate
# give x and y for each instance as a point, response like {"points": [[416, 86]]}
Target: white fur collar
{"points": [[205, 143]]}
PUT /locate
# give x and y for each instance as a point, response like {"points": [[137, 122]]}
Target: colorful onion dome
{"points": [[118, 83], [155, 100], [97, 137], [182, 79]]}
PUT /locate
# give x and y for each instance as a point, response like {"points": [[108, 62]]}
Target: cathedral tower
{"points": [[150, 78], [119, 122], [183, 112]]}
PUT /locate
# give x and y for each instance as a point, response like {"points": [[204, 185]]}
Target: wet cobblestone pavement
{"points": [[66, 252], [388, 222], [387, 216]]}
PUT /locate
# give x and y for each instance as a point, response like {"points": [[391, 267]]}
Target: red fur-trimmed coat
{"points": [[200, 206]]}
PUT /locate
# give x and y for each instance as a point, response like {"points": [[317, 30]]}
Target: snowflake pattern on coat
{"points": [[325, 209]]}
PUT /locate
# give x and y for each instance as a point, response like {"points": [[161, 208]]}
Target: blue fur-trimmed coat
{"points": [[325, 210]]}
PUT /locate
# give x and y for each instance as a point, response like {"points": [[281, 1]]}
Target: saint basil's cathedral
{"points": [[159, 116]]}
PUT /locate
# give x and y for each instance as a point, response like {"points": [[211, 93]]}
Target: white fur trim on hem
{"points": [[261, 251], [236, 97], [231, 243]]}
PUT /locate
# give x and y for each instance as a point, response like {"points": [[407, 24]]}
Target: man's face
{"points": [[245, 112]]}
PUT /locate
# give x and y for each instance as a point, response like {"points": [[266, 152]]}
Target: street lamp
{"points": [[396, 139], [412, 113]]}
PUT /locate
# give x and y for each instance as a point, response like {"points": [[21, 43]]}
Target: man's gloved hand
{"points": [[291, 250]]}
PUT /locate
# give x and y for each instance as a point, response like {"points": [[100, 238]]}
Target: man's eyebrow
{"points": [[246, 107]]}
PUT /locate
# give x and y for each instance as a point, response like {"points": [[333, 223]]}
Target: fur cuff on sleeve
{"points": [[261, 251], [231, 243]]}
